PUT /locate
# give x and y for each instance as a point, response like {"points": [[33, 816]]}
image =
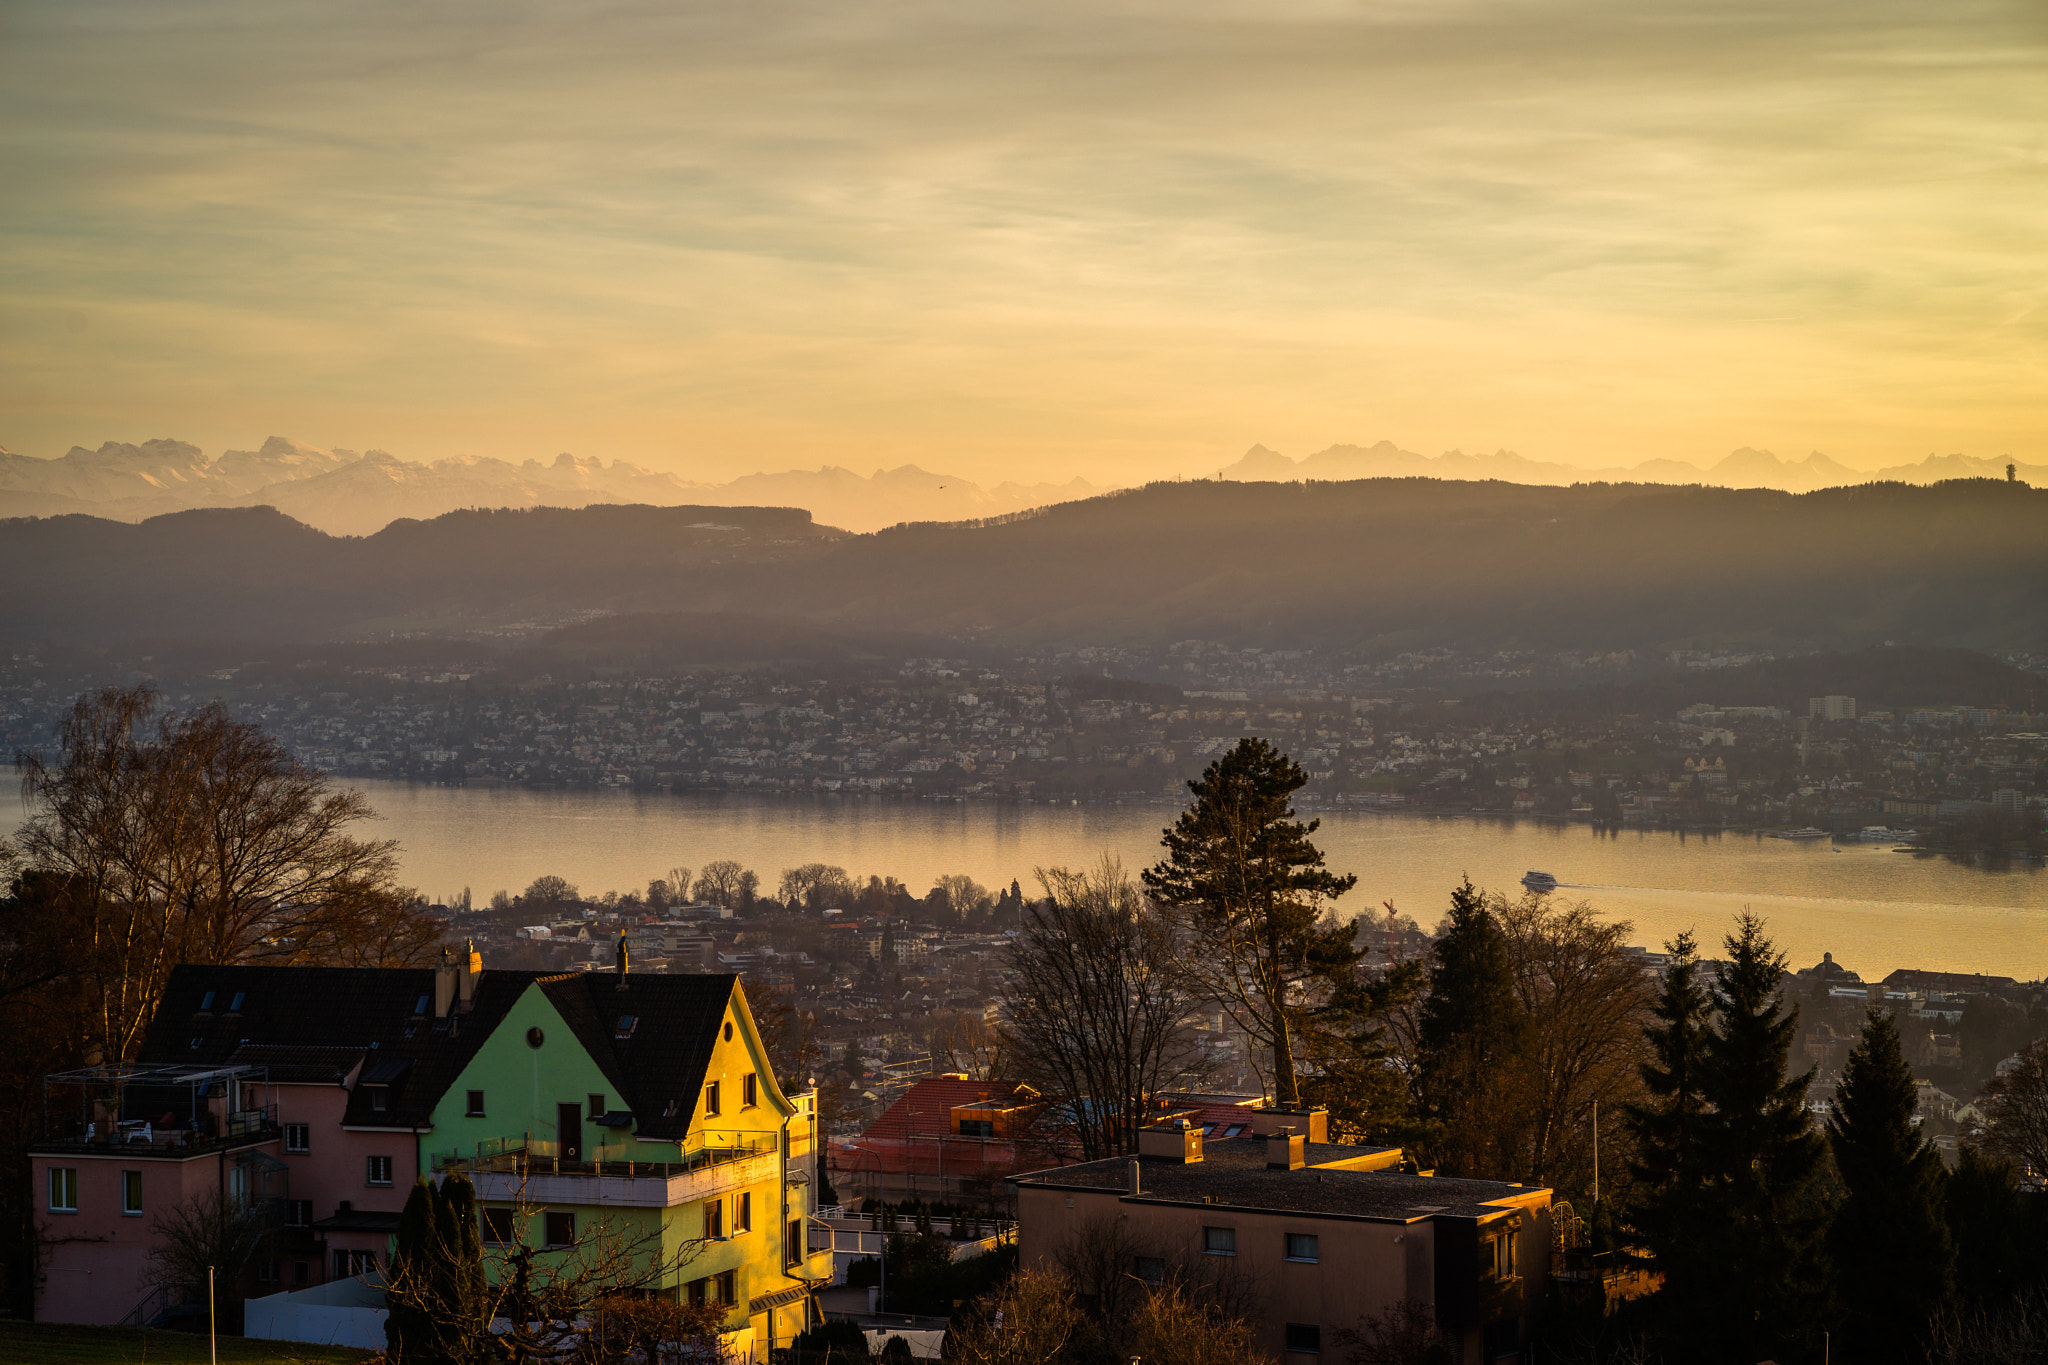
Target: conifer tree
{"points": [[1470, 1034], [437, 1305], [1894, 1263], [408, 1322], [1252, 888], [1758, 1239], [1669, 1129]]}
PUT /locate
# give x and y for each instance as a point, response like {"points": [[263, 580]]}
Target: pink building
{"points": [[301, 1093]]}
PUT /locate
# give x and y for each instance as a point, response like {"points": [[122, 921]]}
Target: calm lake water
{"points": [[1874, 909]]}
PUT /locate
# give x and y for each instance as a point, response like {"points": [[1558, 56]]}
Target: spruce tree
{"points": [[1894, 1263], [409, 1322], [1252, 888], [1470, 1039], [1759, 1245], [1669, 1130]]}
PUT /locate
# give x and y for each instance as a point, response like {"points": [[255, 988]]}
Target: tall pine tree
{"points": [[1470, 1039], [1894, 1263], [438, 1310], [1759, 1236], [1670, 1129], [1253, 889]]}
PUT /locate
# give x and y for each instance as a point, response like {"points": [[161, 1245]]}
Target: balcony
{"points": [[533, 1172]]}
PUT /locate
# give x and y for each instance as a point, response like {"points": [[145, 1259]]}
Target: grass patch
{"points": [[53, 1343]]}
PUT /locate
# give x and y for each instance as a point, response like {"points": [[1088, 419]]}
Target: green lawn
{"points": [[29, 1343]]}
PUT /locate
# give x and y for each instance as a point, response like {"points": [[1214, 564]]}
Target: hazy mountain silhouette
{"points": [[349, 493], [1383, 563], [1744, 468]]}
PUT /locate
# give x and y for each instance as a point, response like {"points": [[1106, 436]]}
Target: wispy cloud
{"points": [[1026, 239]]}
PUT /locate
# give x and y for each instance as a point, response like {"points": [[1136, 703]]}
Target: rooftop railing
{"points": [[537, 1156]]}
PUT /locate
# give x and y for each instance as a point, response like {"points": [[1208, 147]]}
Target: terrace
{"points": [[165, 1111], [533, 1170]]}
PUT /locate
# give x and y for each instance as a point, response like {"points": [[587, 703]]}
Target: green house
{"points": [[621, 1116]]}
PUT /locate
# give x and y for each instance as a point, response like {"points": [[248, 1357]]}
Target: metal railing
{"points": [[530, 1157]]}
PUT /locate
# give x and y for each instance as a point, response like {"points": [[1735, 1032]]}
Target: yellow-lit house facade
{"points": [[619, 1118]]}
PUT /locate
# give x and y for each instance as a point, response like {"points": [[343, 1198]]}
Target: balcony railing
{"points": [[537, 1157]]}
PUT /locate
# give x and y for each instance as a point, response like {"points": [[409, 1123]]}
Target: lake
{"points": [[1874, 909]]}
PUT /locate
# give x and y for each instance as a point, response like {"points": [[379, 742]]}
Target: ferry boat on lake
{"points": [[1539, 881], [1808, 833]]}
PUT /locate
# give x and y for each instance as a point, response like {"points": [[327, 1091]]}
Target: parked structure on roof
{"points": [[645, 1105]]}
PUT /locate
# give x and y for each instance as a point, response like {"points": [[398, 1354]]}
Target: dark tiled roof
{"points": [[1234, 1173], [309, 1017], [660, 1063], [301, 1065], [358, 1220], [367, 1009]]}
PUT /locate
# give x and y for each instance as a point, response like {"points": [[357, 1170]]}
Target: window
{"points": [[380, 1098], [750, 1090], [1497, 1256], [379, 1172], [131, 1194], [63, 1189], [1150, 1269], [206, 1002], [597, 1106], [1303, 1246], [711, 1100], [714, 1218], [743, 1211], [475, 1108], [298, 1137], [561, 1227], [793, 1248], [349, 1264], [1219, 1241], [1305, 1337], [498, 1227], [235, 1005], [298, 1213], [302, 1272], [419, 1006], [627, 1023], [696, 1289], [978, 1128], [728, 1287], [266, 1272]]}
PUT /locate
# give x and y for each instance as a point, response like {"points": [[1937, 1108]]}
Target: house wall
{"points": [[93, 1260], [522, 1084]]}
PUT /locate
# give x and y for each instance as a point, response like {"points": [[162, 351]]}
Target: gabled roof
{"points": [[659, 1063], [925, 1109], [316, 1023], [366, 1010]]}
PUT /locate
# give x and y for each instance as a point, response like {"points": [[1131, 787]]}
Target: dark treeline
{"points": [[1773, 1231]]}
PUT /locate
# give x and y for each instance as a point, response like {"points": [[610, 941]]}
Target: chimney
{"points": [[444, 984], [1283, 1151], [1134, 1176], [1174, 1140], [1313, 1123], [472, 968]]}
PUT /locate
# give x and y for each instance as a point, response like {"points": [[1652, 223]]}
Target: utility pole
{"points": [[1596, 1151], [212, 1327]]}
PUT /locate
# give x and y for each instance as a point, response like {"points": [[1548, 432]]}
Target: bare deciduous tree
{"points": [[1095, 1009], [197, 838], [2016, 1107], [1586, 1002], [1030, 1321], [965, 1042], [725, 883], [214, 1228]]}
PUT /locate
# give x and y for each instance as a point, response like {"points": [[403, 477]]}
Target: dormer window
{"points": [[379, 1098], [235, 1005], [627, 1023], [206, 1001]]}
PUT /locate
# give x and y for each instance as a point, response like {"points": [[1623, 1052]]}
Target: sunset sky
{"points": [[1027, 241]]}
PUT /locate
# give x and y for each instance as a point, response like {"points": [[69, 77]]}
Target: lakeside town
{"points": [[1964, 775]]}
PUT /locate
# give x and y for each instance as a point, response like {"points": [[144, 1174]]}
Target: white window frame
{"points": [[298, 1138], [370, 1171], [63, 1186], [128, 1210]]}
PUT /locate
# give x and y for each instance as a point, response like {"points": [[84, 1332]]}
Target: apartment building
{"points": [[637, 1107], [1326, 1234]]}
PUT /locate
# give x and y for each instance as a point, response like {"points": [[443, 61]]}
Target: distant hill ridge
{"points": [[1744, 468], [346, 492], [1376, 564]]}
